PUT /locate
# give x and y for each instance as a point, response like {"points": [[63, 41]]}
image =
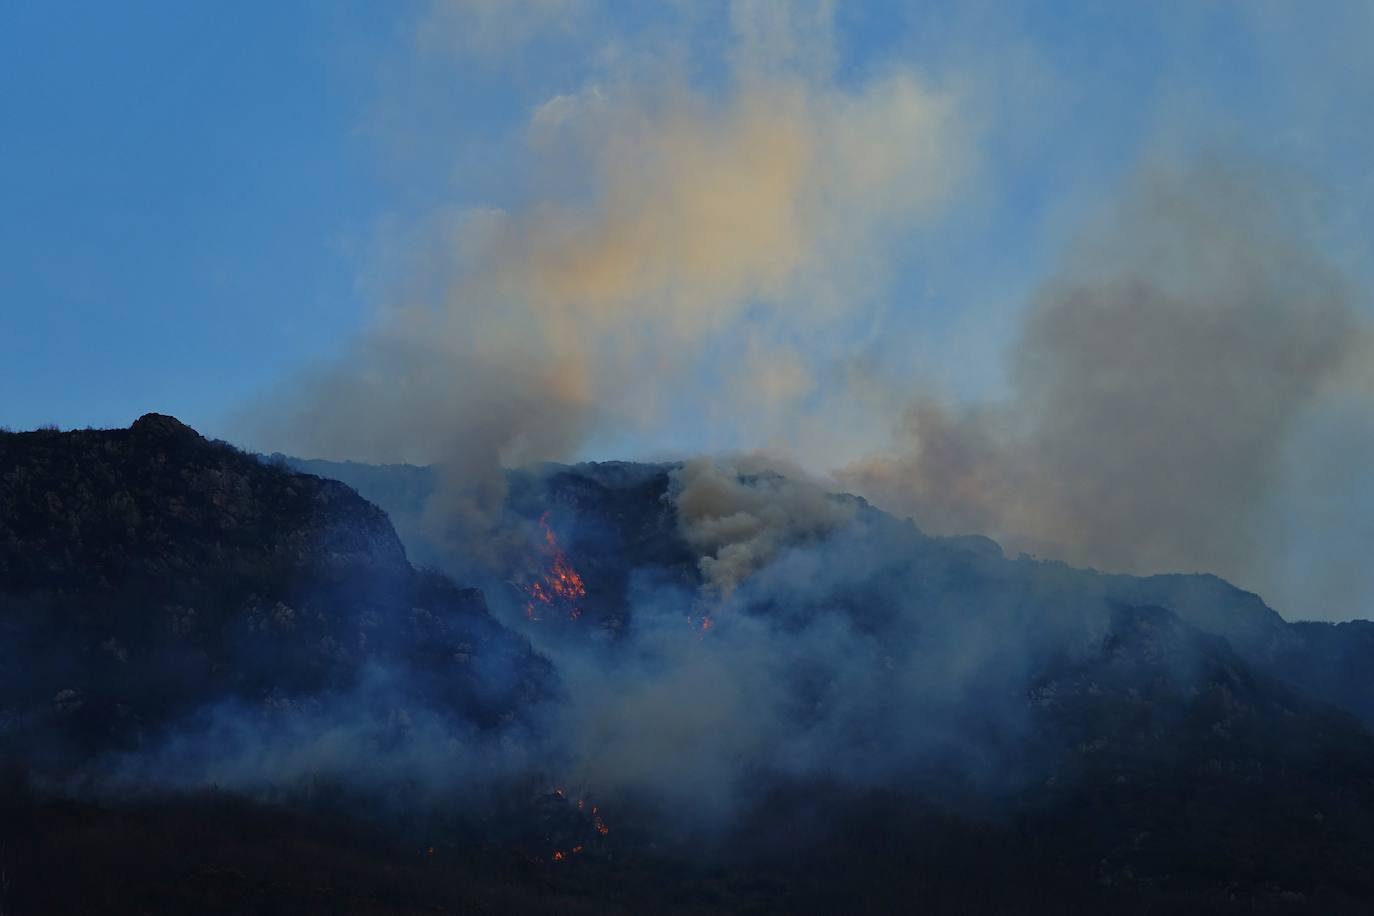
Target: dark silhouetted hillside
{"points": [[147, 572], [224, 688]]}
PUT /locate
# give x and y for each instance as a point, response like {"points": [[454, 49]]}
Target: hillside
{"points": [[147, 573], [618, 508], [689, 687]]}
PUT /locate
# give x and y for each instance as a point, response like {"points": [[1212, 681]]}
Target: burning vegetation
{"points": [[572, 825], [559, 589]]}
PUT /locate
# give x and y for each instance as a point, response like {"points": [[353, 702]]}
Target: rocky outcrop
{"points": [[147, 572]]}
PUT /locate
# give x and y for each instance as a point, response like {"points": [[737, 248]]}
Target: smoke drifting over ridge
{"points": [[1156, 385]]}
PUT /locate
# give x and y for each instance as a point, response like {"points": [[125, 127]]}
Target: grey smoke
{"points": [[654, 222], [1157, 385], [424, 389], [739, 513]]}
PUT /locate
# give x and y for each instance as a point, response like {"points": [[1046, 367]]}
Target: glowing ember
{"points": [[701, 621], [597, 823], [560, 587]]}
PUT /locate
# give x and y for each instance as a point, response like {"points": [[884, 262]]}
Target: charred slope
{"points": [[148, 572]]}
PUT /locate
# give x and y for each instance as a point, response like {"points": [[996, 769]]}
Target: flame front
{"points": [[560, 587]]}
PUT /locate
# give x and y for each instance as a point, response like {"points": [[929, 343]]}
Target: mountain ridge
{"points": [[1298, 652], [878, 714], [132, 560]]}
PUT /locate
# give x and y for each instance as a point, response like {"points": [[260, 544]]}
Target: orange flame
{"points": [[598, 823], [561, 587]]}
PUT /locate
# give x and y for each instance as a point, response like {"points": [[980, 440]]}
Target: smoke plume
{"points": [[702, 260], [1157, 384], [739, 514], [660, 218]]}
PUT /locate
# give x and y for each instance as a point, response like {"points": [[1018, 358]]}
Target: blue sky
{"points": [[183, 199], [194, 194]]}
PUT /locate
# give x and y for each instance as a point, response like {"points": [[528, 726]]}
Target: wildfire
{"points": [[560, 587], [700, 619], [560, 856], [597, 822]]}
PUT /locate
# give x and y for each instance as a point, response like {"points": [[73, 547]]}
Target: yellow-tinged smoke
{"points": [[660, 214]]}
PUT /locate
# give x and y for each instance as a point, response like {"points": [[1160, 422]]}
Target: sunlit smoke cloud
{"points": [[661, 215]]}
